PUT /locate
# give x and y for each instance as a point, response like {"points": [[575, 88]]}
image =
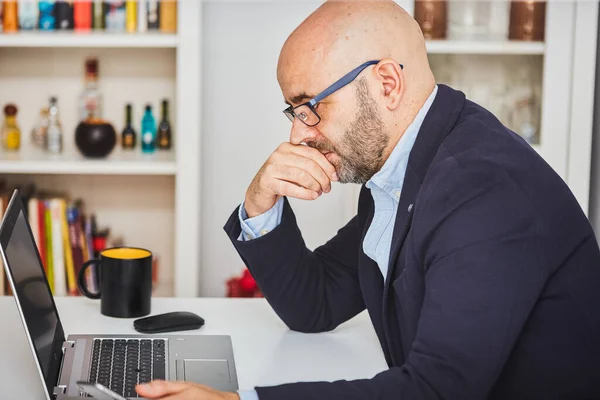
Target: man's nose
{"points": [[302, 133]]}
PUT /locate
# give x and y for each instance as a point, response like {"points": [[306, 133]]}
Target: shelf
{"points": [[88, 39], [484, 47], [117, 163]]}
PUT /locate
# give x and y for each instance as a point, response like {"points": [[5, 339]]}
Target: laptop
{"points": [[118, 362]]}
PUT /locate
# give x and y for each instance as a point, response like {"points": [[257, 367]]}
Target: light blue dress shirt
{"points": [[385, 187]]}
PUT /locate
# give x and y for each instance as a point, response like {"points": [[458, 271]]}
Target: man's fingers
{"points": [[314, 169], [298, 176], [284, 188], [318, 157], [160, 388]]}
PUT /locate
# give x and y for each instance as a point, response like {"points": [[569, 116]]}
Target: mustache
{"points": [[323, 147]]}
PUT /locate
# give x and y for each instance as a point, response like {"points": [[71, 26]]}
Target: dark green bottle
{"points": [[164, 128], [128, 137]]}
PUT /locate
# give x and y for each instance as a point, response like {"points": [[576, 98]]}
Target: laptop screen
{"points": [[31, 290]]}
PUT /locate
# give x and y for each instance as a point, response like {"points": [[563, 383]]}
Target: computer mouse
{"points": [[168, 322]]}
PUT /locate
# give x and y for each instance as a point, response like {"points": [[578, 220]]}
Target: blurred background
{"points": [[141, 123]]}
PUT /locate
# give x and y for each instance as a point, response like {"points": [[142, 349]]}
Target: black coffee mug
{"points": [[125, 282]]}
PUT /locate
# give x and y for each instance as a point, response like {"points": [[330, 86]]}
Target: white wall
{"points": [[594, 210], [243, 123]]}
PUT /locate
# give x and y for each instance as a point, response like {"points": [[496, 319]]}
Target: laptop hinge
{"points": [[62, 389], [67, 344], [58, 390]]}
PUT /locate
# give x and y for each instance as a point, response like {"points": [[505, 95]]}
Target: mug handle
{"points": [[81, 280]]}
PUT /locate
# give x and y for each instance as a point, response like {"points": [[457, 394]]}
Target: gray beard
{"points": [[361, 149]]}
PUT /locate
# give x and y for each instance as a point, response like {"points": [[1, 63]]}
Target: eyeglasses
{"points": [[306, 112]]}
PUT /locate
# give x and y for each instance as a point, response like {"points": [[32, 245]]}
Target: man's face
{"points": [[355, 148], [351, 133]]}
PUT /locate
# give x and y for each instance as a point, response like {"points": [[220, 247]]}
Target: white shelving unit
{"points": [[150, 200], [88, 40], [117, 163], [484, 47]]}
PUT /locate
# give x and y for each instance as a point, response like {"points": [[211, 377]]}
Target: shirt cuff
{"points": [[261, 224], [248, 395]]}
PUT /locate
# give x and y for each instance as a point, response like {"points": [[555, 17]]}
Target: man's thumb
{"points": [[158, 388]]}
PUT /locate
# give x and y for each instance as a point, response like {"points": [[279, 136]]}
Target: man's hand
{"points": [[292, 170], [182, 391]]}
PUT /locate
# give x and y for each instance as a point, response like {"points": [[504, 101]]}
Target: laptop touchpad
{"points": [[203, 371]]}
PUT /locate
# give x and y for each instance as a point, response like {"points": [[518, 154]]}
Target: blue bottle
{"points": [[148, 137], [47, 21]]}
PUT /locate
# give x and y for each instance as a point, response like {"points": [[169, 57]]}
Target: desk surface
{"points": [[266, 352]]}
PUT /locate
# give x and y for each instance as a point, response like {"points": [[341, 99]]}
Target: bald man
{"points": [[478, 268]]}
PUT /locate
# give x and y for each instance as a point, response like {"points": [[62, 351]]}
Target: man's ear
{"points": [[391, 80]]}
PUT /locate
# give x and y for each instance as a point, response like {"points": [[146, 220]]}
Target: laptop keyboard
{"points": [[120, 364]]}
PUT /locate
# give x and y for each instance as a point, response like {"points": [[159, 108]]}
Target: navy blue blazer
{"points": [[493, 285]]}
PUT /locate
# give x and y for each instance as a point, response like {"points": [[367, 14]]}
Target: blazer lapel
{"points": [[438, 123]]}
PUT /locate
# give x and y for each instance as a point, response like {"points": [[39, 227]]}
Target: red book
{"points": [[82, 14]]}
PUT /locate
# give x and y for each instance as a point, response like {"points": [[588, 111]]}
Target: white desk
{"points": [[266, 352]]}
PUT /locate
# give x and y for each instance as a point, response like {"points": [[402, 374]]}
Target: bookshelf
{"points": [[148, 200]]}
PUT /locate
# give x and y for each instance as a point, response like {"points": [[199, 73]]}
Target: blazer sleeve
{"points": [[476, 237], [310, 291]]}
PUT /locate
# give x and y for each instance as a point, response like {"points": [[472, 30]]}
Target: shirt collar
{"points": [[390, 177]]}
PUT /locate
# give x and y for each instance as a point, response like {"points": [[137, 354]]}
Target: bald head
{"points": [[341, 35]]}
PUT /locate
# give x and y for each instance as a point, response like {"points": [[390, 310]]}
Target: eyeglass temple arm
{"points": [[343, 81]]}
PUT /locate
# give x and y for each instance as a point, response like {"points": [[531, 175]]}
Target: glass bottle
{"points": [[11, 19], [90, 102], [63, 12], [28, 14], [98, 15], [40, 131], [527, 20], [168, 16], [164, 128], [152, 15], [131, 16], [115, 15], [478, 20], [47, 20], [148, 131], [82, 16], [128, 137], [432, 18], [11, 134], [55, 134]]}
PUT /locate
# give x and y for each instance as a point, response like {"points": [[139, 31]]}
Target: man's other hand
{"points": [[182, 391], [292, 170]]}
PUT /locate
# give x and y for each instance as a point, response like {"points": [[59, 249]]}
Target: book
{"points": [[49, 246], [74, 223], [67, 250], [2, 276], [33, 217], [58, 253]]}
